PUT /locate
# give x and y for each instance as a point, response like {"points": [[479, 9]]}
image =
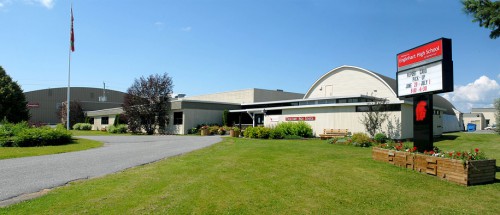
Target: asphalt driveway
{"points": [[21, 176]]}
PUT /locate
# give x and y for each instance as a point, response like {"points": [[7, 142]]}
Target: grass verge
{"points": [[246, 176], [77, 145]]}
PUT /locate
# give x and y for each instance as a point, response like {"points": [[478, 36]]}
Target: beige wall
{"points": [[343, 117], [98, 122], [475, 118], [488, 113], [349, 81], [247, 96]]}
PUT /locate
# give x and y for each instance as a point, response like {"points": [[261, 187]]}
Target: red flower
{"points": [[431, 152], [458, 154], [414, 148], [477, 150]]}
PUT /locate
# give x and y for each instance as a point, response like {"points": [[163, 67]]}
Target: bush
{"points": [[193, 131], [301, 129], [361, 139], [276, 134], [263, 132], [43, 136], [221, 131], [340, 140], [82, 126], [285, 130], [213, 129], [380, 138], [250, 132], [119, 129]]}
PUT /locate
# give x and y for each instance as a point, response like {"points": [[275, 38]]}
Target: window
{"points": [[391, 107], [91, 120], [104, 120], [177, 118]]}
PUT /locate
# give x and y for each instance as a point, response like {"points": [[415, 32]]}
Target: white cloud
{"points": [[186, 29], [498, 76], [47, 3], [159, 25], [479, 93], [4, 3]]}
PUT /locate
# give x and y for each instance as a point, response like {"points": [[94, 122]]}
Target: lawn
{"points": [[245, 176], [77, 145]]}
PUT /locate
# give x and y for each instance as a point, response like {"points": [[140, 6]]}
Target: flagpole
{"points": [[68, 104], [69, 90]]}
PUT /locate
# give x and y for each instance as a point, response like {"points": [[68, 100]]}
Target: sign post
{"points": [[423, 71]]}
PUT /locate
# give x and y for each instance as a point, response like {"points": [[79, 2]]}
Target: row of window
{"points": [[310, 102], [368, 108], [105, 119]]}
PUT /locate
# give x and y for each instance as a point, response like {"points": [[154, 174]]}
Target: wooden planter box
{"points": [[205, 132], [468, 173], [234, 133]]}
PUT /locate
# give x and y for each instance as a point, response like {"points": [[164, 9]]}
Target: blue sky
{"points": [[210, 46]]}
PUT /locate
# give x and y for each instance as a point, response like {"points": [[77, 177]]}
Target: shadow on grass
{"points": [[446, 137]]}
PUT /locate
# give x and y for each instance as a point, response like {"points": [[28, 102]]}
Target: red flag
{"points": [[72, 37]]}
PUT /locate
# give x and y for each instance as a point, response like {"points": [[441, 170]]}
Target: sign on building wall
{"points": [[301, 118], [425, 69]]}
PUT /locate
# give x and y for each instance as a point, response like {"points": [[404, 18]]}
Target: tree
{"points": [[12, 100], [147, 105], [497, 113], [486, 12], [375, 115], [76, 113]]}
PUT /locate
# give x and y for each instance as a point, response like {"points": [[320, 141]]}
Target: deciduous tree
{"points": [[373, 118], [147, 105], [12, 100], [76, 113], [486, 12]]}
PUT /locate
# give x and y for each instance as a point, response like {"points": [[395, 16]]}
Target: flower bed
{"points": [[464, 172]]}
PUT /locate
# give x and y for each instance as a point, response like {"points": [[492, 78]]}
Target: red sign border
{"points": [[421, 53]]}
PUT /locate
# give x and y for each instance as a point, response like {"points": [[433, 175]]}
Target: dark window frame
{"points": [[105, 120], [178, 120]]}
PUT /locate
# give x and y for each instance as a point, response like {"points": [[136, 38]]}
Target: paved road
{"points": [[32, 174]]}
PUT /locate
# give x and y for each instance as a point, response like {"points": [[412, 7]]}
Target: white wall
{"points": [[344, 117], [349, 81]]}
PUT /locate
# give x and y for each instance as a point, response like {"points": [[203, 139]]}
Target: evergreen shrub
{"points": [[118, 129]]}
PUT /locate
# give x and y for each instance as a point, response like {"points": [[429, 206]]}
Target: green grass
{"points": [[93, 133], [488, 143], [77, 145], [243, 176]]}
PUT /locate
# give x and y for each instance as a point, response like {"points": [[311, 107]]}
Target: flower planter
{"points": [[457, 171], [234, 133], [204, 132]]}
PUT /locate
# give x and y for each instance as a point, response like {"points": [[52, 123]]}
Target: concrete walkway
{"points": [[22, 176]]}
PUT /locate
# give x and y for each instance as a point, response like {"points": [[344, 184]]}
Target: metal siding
{"points": [[50, 98]]}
